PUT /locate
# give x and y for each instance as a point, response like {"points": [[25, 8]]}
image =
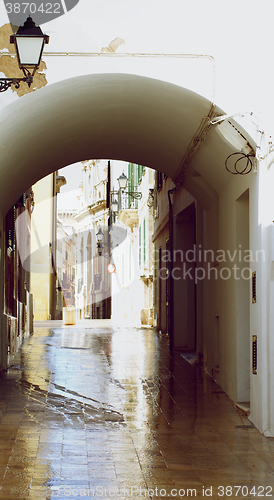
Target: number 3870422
{"points": [[32, 8]]}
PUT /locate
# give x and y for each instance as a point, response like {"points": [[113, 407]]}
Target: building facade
{"points": [[206, 289], [17, 296], [93, 287], [65, 261], [132, 283], [178, 132], [44, 247]]}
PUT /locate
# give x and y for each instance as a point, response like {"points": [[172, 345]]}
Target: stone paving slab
{"points": [[107, 412]]}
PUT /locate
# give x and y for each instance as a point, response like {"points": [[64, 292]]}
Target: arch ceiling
{"points": [[114, 116]]}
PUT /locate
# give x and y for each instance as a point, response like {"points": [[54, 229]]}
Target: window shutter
{"points": [[144, 241], [123, 269], [140, 246], [129, 264]]}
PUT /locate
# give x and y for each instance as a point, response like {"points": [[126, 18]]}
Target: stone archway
{"points": [[131, 118], [115, 116]]}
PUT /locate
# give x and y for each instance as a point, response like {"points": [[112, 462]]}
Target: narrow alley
{"points": [[97, 410]]}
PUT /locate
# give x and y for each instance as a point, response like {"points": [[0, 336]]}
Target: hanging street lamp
{"points": [[114, 206], [100, 237], [29, 43], [122, 181]]}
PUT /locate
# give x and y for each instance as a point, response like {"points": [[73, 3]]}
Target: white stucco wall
{"points": [[63, 136]]}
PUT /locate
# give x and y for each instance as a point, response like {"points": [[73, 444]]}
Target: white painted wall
{"points": [[241, 92], [41, 244]]}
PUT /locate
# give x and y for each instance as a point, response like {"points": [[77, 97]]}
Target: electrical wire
{"points": [[248, 165]]}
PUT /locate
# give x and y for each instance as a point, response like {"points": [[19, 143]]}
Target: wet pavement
{"points": [[98, 411]]}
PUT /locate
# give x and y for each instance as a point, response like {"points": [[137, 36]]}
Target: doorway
{"points": [[184, 279], [243, 298]]}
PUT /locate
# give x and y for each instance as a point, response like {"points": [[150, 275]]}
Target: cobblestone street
{"points": [[103, 411]]}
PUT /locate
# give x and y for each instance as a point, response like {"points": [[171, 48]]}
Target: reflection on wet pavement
{"points": [[95, 411]]}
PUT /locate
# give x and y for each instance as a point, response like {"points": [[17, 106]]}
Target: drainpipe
{"points": [[170, 277], [109, 291], [52, 279], [108, 185]]}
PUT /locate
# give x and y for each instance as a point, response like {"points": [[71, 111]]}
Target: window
{"points": [[144, 241], [129, 263], [123, 269], [135, 174], [131, 184], [141, 171], [97, 281], [159, 180], [140, 246]]}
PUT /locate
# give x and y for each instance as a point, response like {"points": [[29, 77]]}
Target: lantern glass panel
{"points": [[115, 206], [29, 50], [99, 235], [122, 180]]}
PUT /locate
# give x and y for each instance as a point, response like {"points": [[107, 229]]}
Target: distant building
{"points": [[132, 283], [18, 299], [43, 246], [65, 261], [93, 292]]}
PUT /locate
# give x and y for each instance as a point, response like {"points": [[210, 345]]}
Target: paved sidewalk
{"points": [[100, 410]]}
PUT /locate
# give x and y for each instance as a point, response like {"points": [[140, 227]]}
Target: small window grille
{"points": [[254, 298], [254, 354]]}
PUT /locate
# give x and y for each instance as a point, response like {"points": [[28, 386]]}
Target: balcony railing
{"points": [[127, 202]]}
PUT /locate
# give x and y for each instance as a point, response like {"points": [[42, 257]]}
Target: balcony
{"points": [[128, 209]]}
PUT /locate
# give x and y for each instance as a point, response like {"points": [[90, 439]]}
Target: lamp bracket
{"points": [[6, 83], [27, 72], [134, 194]]}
